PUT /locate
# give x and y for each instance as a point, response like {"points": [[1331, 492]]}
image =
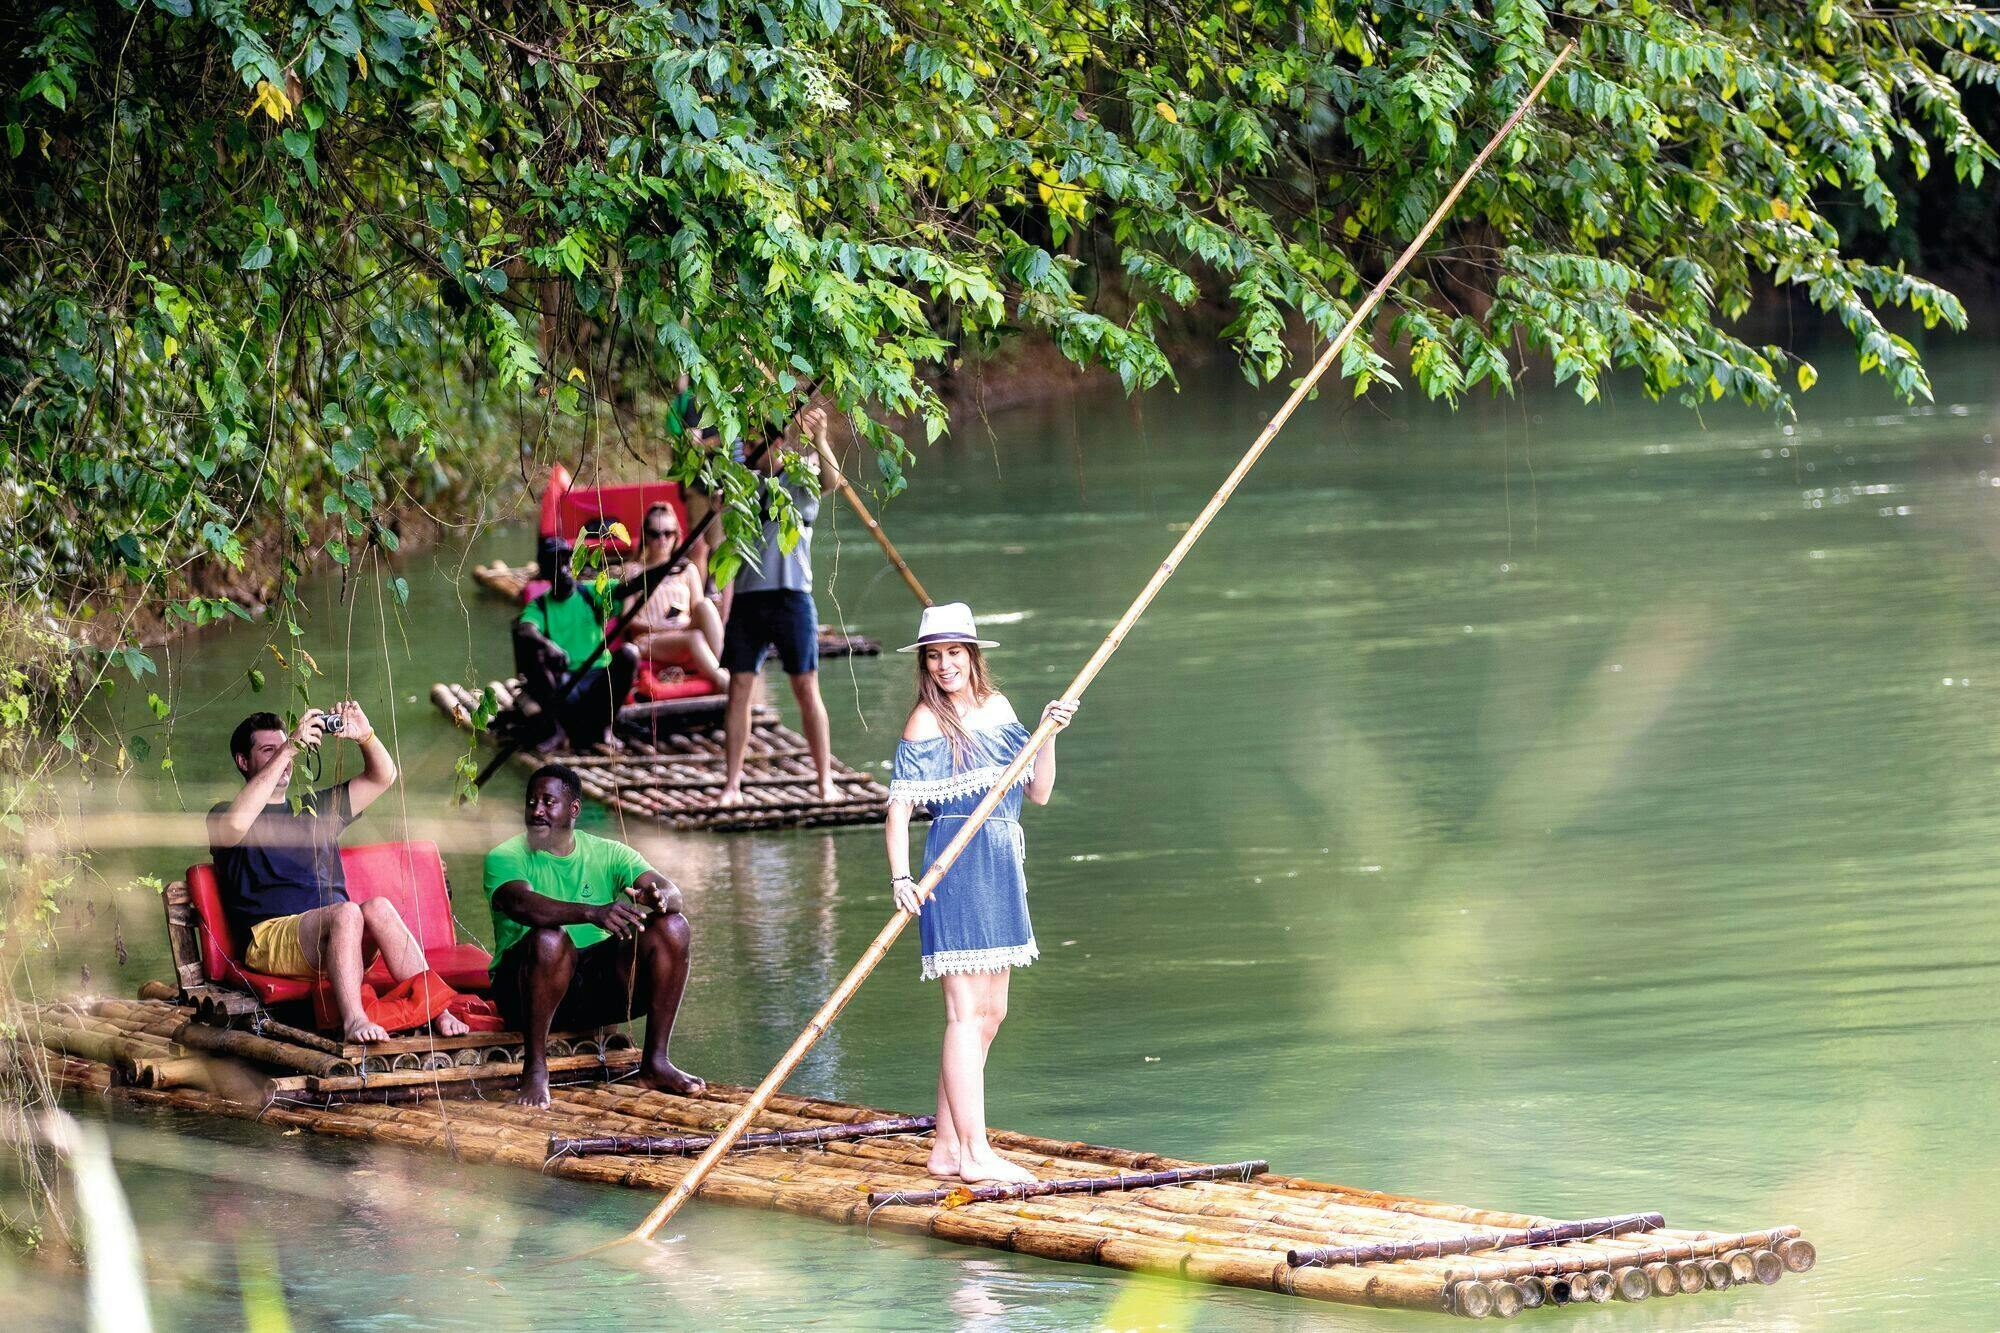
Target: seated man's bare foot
{"points": [[662, 1076], [611, 745], [449, 1024], [551, 743], [362, 1030], [992, 1169], [534, 1089]]}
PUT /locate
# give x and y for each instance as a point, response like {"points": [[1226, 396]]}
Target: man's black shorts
{"points": [[781, 618], [598, 994]]}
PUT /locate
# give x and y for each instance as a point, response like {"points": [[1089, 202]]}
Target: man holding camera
{"points": [[278, 865]]}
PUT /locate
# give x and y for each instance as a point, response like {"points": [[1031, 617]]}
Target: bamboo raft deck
{"points": [[509, 581], [673, 777], [1237, 1225]]}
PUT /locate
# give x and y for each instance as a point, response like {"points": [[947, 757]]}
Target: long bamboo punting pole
{"points": [[868, 521], [1036, 1189], [1622, 1225], [671, 1145], [689, 1183]]}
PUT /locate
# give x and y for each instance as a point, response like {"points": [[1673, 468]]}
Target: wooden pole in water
{"points": [[688, 1184], [868, 520]]}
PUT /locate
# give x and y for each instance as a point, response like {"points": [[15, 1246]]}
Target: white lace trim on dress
{"points": [[957, 962], [935, 791]]}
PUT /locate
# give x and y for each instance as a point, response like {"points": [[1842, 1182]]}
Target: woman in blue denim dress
{"points": [[958, 741]]}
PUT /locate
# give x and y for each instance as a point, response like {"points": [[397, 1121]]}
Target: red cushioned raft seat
{"points": [[586, 511], [409, 874], [649, 687]]}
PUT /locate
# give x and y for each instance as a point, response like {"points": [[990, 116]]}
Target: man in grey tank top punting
{"points": [[773, 608]]}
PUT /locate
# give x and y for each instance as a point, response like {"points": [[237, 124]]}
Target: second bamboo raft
{"points": [[674, 776], [1241, 1228]]}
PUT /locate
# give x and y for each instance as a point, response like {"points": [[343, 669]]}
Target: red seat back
{"points": [[626, 503], [410, 875], [219, 946]]}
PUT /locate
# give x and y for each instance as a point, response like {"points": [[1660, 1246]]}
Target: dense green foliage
{"points": [[292, 265]]}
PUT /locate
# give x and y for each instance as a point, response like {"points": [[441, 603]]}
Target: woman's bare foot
{"points": [[730, 795], [990, 1168], [828, 791], [362, 1030], [662, 1076], [943, 1163], [449, 1024]]}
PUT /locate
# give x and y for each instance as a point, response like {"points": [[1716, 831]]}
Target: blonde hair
{"points": [[932, 696]]}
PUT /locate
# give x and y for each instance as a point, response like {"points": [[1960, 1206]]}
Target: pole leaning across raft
{"points": [[868, 520], [716, 1151]]}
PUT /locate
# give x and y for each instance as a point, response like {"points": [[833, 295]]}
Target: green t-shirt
{"points": [[574, 624], [594, 872]]}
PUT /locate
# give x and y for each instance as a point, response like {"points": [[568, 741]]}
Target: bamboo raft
{"points": [[1236, 1224], [510, 581], [673, 777]]}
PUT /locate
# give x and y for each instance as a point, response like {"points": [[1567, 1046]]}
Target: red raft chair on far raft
{"points": [[409, 874], [577, 512]]}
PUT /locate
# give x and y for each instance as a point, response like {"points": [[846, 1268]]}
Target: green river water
{"points": [[1578, 810]]}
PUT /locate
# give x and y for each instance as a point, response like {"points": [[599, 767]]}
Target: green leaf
{"points": [[255, 257]]}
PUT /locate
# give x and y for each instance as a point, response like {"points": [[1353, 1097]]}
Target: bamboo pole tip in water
{"points": [[1631, 1284], [1766, 1266], [1600, 1286], [1716, 1274], [1798, 1254], [1471, 1300], [1665, 1278], [1507, 1299], [1691, 1275], [1742, 1268]]}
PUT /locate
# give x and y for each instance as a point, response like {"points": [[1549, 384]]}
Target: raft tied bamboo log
{"points": [[1590, 1229], [1226, 1230], [970, 825], [957, 1196], [680, 1145]]}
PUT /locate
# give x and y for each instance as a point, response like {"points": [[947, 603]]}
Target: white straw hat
{"points": [[950, 623]]}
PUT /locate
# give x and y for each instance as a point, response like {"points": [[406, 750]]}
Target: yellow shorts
{"points": [[275, 948]]}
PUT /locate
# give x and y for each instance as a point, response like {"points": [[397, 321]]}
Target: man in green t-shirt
{"points": [[553, 637], [585, 933]]}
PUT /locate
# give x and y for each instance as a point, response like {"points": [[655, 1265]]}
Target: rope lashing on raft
{"points": [[680, 1145], [1437, 1247], [957, 1196]]}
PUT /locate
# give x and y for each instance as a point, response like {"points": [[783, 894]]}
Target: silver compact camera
{"points": [[331, 722]]}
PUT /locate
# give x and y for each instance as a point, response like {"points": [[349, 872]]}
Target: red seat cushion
{"points": [[647, 687], [408, 874], [411, 876], [464, 967]]}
